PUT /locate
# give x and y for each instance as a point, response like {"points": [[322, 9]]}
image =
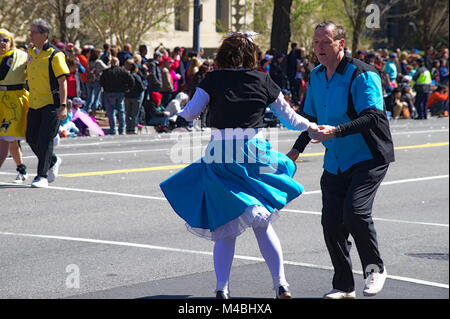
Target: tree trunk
{"points": [[281, 31], [61, 6], [427, 12], [358, 25]]}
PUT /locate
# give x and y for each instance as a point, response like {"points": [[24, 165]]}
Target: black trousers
{"points": [[347, 200], [421, 104], [42, 127]]}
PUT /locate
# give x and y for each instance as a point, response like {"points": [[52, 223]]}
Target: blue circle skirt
{"points": [[236, 184]]}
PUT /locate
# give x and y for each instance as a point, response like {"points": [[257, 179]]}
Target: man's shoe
{"points": [[374, 283], [283, 292], [54, 170], [20, 178], [339, 294], [220, 294], [39, 182]]}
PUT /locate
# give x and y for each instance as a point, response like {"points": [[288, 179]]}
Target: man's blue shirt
{"points": [[327, 100], [391, 70]]}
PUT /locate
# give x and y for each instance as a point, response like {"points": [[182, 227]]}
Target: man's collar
{"points": [[341, 66], [46, 45]]}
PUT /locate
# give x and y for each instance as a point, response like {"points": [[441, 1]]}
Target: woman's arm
{"points": [[195, 106], [288, 116]]}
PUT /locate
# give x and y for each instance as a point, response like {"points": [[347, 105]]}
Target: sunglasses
{"points": [[4, 40]]}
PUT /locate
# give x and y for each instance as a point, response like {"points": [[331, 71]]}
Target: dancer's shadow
{"points": [[4, 185], [166, 297], [212, 297]]}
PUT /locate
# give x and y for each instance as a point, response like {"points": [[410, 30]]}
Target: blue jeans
{"points": [[115, 103], [94, 91]]}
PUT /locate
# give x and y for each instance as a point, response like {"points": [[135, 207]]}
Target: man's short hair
{"points": [[43, 26], [339, 31]]}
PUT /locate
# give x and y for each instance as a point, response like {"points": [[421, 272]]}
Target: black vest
{"points": [[238, 98]]}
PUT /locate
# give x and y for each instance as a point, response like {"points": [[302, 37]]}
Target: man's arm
{"points": [[367, 120], [62, 111]]}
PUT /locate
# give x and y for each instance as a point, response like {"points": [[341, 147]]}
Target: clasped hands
{"points": [[320, 133]]}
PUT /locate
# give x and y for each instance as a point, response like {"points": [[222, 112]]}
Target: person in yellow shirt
{"points": [[46, 74], [13, 102]]}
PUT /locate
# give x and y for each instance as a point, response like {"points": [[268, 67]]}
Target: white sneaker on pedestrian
{"points": [[39, 182], [339, 294], [374, 283], [20, 178], [54, 170]]}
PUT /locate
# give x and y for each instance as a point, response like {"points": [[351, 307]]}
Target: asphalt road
{"points": [[104, 230]]}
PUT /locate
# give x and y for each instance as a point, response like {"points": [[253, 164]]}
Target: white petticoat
{"points": [[253, 216], [11, 138]]}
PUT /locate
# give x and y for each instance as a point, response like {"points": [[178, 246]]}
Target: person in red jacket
{"points": [[438, 101]]}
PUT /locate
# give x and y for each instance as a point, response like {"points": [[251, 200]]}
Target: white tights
{"points": [[270, 248]]}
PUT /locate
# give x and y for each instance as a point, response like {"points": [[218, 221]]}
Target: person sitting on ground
{"points": [[175, 106], [159, 117], [77, 105], [399, 105], [408, 97], [438, 101], [68, 128]]}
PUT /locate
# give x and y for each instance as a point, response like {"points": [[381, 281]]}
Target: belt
{"points": [[12, 87]]}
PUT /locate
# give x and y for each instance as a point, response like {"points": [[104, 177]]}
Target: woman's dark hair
{"points": [[204, 68], [236, 51], [95, 54]]}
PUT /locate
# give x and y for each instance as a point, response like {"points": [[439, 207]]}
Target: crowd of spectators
{"points": [[138, 88]]}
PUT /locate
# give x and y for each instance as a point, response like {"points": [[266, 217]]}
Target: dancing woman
{"points": [[241, 181]]}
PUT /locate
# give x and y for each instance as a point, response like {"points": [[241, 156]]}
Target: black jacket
{"points": [[116, 80], [155, 78], [277, 74], [137, 88]]}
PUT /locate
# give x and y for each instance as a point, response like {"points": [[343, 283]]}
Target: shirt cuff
{"points": [[196, 105], [288, 116]]}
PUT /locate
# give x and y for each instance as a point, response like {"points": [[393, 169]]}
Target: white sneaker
{"points": [[282, 292], [339, 294], [20, 178], [53, 171], [39, 182], [374, 283]]}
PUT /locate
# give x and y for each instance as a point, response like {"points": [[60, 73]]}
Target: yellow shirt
{"points": [[16, 61], [38, 75]]}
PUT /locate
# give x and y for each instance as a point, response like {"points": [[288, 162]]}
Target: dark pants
{"points": [[42, 127], [421, 104], [347, 209]]}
